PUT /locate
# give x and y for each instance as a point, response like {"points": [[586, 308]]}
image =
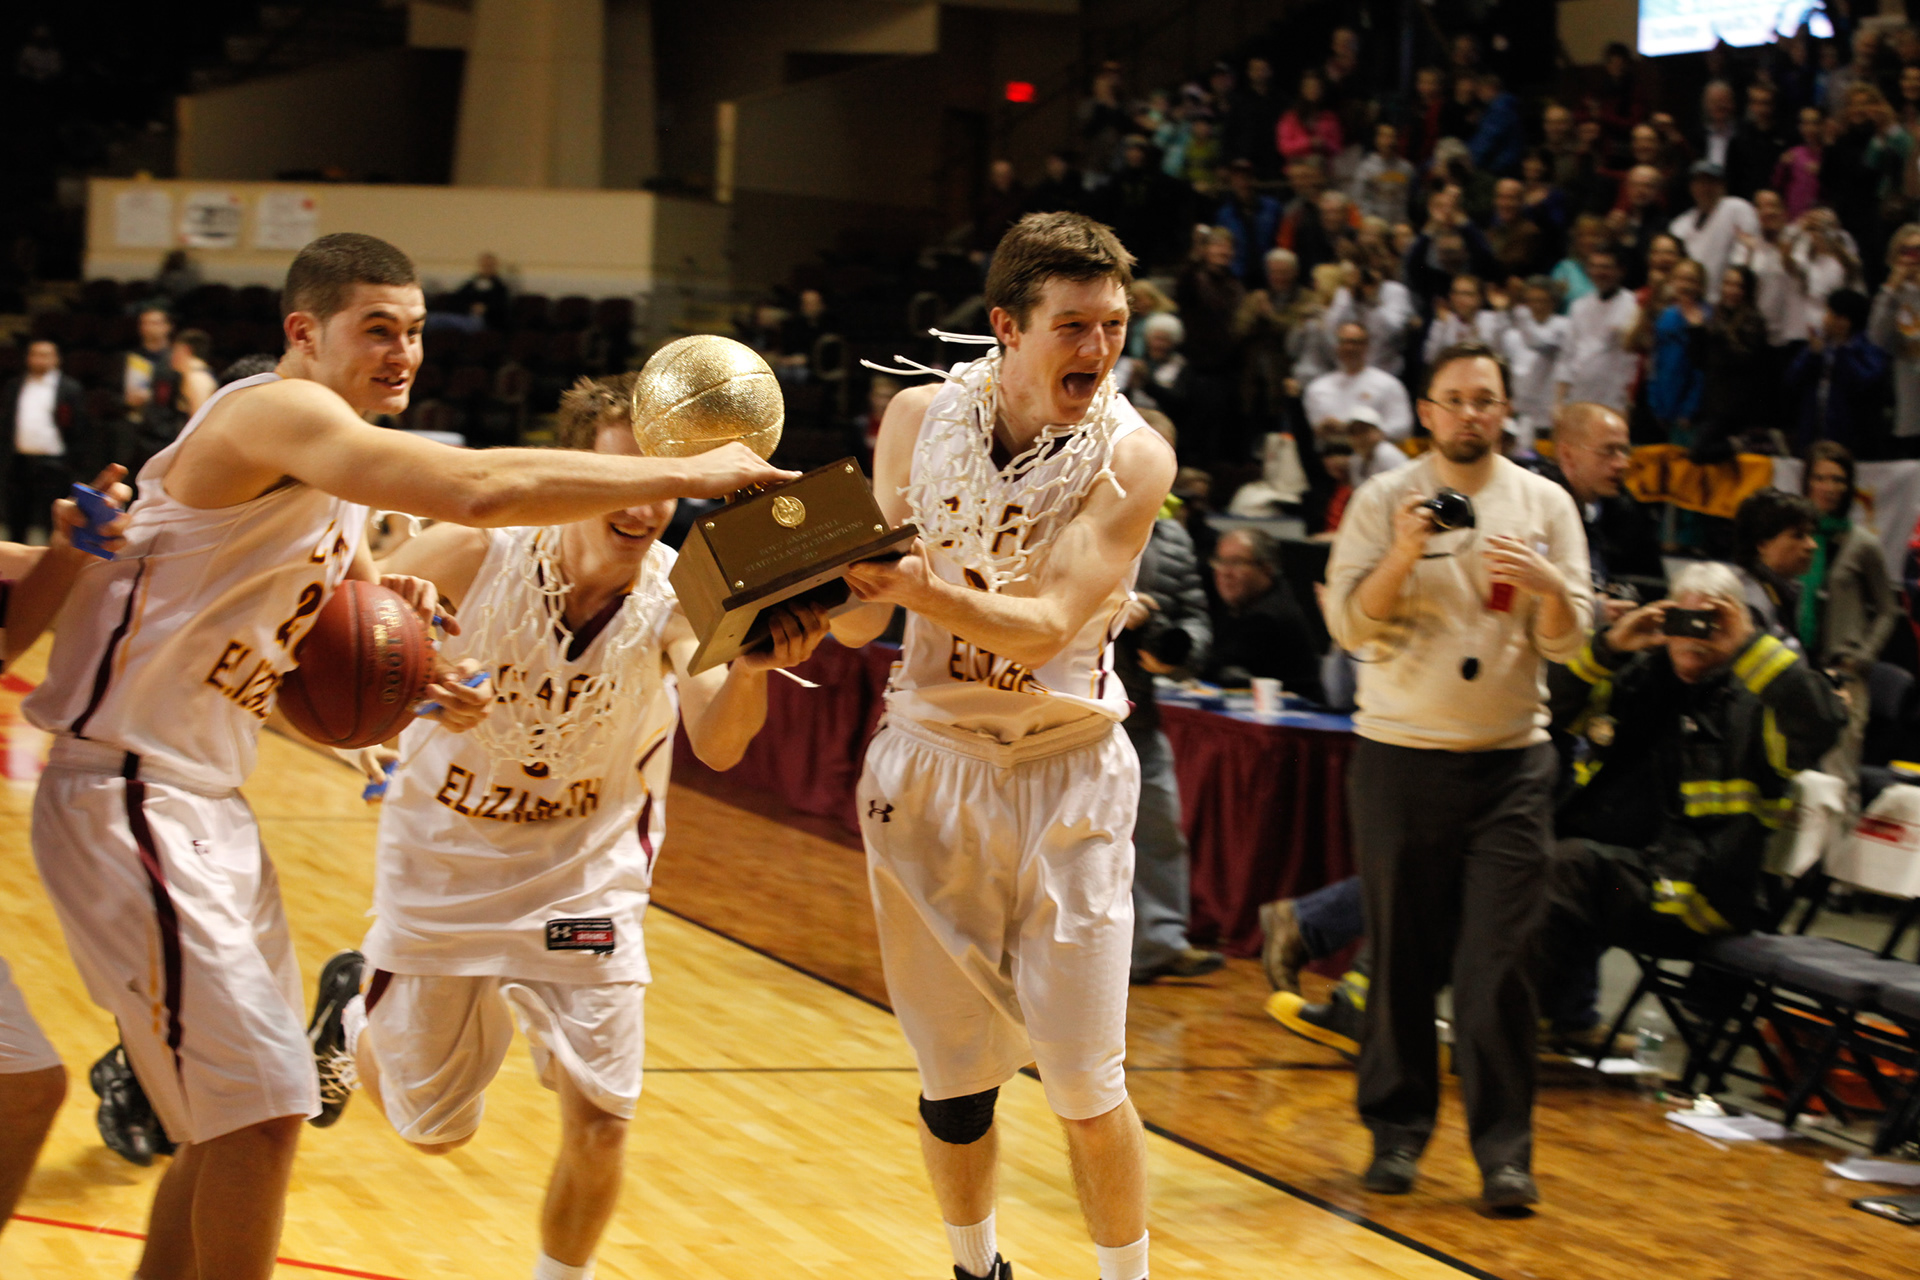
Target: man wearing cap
{"points": [[1331, 398], [1710, 229]]}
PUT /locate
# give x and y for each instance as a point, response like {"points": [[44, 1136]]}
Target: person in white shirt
{"points": [[1709, 230], [1372, 455], [1779, 276], [1463, 317], [1331, 398], [1384, 179], [1387, 310], [37, 469], [1533, 344], [1597, 364]]}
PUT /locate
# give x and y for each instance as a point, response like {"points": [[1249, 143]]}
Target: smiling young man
{"points": [[164, 673], [1451, 782], [998, 799], [547, 817]]}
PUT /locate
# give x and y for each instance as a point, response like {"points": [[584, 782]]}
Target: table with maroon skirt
{"points": [[1263, 798]]}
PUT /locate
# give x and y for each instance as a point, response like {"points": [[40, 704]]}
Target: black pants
{"points": [[33, 482], [1453, 850], [1600, 896]]}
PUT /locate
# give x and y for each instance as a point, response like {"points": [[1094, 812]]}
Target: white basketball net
{"points": [[980, 513], [521, 624]]}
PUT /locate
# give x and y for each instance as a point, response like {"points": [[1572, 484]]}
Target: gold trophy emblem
{"points": [[699, 393]]}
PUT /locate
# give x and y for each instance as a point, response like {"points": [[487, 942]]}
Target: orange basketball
{"points": [[362, 668]]}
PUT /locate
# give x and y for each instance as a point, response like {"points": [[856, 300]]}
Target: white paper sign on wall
{"points": [[210, 220], [143, 218], [285, 220]]}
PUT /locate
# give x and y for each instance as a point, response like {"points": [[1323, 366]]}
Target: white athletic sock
{"points": [[1127, 1262], [353, 1021], [553, 1269], [974, 1247]]}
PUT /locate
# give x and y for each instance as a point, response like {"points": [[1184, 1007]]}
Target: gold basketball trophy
{"points": [[766, 545]]}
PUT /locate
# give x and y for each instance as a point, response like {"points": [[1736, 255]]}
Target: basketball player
{"points": [[244, 526], [550, 842], [32, 1080], [998, 799]]}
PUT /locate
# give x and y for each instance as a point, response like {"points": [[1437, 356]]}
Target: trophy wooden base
{"points": [[777, 545]]}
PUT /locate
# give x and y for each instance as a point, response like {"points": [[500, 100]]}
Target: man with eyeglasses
{"points": [[1451, 781], [1332, 398], [1592, 455]]}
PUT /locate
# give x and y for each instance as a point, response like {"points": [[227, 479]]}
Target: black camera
{"points": [[1694, 624], [1451, 510]]}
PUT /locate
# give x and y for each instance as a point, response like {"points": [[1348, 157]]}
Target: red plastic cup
{"points": [[1501, 599]]}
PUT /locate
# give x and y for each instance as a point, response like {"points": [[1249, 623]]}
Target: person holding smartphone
{"points": [[1681, 789]]}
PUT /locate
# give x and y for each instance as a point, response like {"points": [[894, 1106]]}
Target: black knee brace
{"points": [[960, 1122]]}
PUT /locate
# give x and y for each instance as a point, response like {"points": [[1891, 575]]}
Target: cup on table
{"points": [[1266, 696]]}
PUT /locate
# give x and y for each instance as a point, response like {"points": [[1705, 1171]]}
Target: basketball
{"points": [[700, 392], [362, 668]]}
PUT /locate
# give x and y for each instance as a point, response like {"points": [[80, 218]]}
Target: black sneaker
{"points": [[1000, 1270], [1392, 1171], [339, 983], [1335, 1024], [1509, 1189], [125, 1117]]}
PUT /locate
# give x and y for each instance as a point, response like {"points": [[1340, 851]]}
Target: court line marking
{"points": [[136, 1235], [1198, 1148]]}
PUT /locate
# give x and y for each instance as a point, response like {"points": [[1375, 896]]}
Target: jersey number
{"points": [[310, 597]]}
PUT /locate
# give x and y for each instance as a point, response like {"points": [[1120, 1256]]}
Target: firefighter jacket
{"points": [[1696, 775]]}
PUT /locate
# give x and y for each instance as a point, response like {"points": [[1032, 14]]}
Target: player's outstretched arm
{"points": [[37, 597], [1078, 575], [301, 429], [724, 707], [892, 468]]}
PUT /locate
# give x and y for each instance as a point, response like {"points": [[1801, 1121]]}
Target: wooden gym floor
{"points": [[776, 1132]]}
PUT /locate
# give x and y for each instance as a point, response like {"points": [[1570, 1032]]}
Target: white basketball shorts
{"points": [[1002, 887], [23, 1047], [439, 1041], [172, 914]]}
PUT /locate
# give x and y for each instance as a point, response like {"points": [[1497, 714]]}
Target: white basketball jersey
{"points": [[485, 869], [944, 679], [175, 650]]}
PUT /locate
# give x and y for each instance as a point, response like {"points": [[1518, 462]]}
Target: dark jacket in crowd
{"points": [[1253, 230], [1269, 637], [1178, 634], [1209, 298], [1623, 537], [78, 432], [1686, 772], [486, 297], [1146, 209], [1857, 372], [147, 430]]}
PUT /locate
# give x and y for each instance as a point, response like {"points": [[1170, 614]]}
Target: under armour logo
{"points": [[884, 812]]}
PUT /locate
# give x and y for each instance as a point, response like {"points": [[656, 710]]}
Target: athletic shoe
{"points": [[1335, 1024], [1392, 1171], [1591, 1042], [1283, 952], [1509, 1189], [1189, 963], [1000, 1270], [125, 1117], [339, 983]]}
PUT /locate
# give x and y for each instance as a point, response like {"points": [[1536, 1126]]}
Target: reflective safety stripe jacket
{"points": [[1696, 774]]}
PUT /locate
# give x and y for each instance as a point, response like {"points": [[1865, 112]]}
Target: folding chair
{"points": [[1815, 821], [1820, 997]]}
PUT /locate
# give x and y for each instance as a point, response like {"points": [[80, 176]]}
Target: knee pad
{"points": [[960, 1122]]}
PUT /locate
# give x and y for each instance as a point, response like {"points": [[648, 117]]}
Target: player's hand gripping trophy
{"points": [[766, 545]]}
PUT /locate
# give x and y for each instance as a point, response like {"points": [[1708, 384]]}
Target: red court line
{"points": [[135, 1235]]}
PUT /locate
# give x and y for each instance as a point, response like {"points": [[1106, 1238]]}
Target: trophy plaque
{"points": [[765, 546]]}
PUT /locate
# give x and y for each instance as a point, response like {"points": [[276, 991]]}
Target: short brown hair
{"points": [[324, 273], [1045, 246], [1471, 349], [587, 403]]}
